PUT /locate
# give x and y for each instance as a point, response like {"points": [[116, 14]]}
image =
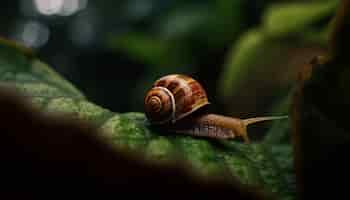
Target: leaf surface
{"points": [[257, 164]]}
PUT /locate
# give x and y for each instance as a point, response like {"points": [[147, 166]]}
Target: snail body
{"points": [[174, 102]]}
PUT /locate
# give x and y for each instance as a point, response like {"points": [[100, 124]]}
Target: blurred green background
{"points": [[245, 53]]}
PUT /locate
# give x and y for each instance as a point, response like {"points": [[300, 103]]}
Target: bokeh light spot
{"points": [[49, 7], [59, 7], [32, 34]]}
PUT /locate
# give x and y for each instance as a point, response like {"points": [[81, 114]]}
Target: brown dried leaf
{"points": [[321, 132]]}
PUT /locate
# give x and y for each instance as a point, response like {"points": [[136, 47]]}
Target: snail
{"points": [[177, 103]]}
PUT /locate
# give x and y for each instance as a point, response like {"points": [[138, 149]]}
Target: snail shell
{"points": [[172, 97]]}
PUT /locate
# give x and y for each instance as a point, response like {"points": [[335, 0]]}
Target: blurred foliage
{"points": [[262, 65], [211, 24], [185, 37], [256, 165], [247, 61], [111, 44]]}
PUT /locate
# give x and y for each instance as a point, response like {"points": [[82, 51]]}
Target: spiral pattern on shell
{"points": [[159, 105], [173, 97]]}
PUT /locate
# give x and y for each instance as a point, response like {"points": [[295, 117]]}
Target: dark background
{"points": [[89, 42]]}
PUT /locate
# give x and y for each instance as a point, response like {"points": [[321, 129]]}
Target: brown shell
{"points": [[188, 95]]}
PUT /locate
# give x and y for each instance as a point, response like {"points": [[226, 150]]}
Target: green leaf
{"points": [[289, 34], [248, 48], [292, 18], [256, 164]]}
